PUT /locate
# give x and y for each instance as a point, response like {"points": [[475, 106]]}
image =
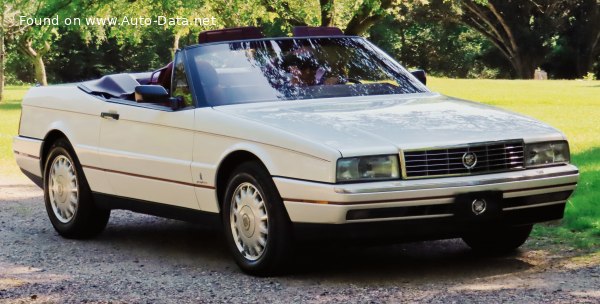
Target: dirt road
{"points": [[144, 259]]}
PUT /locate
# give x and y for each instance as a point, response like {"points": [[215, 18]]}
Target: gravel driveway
{"points": [[144, 259]]}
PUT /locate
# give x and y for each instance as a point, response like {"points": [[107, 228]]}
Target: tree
{"points": [[180, 8], [521, 30], [74, 60], [583, 35], [327, 12], [7, 28], [190, 10], [354, 17], [2, 48], [367, 14], [444, 49], [35, 40]]}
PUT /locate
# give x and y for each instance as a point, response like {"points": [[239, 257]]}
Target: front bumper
{"points": [[523, 197], [27, 152]]}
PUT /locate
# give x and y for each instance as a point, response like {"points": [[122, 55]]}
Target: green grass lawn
{"points": [[10, 110], [571, 106]]}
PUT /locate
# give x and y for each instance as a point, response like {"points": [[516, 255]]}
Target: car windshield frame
{"points": [[202, 71]]}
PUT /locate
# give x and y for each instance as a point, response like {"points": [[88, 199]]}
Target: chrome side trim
{"points": [[148, 177], [26, 152], [533, 206], [26, 155], [538, 191], [374, 204], [25, 143], [416, 217]]}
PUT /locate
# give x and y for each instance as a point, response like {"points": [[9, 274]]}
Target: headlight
{"points": [[547, 153], [367, 168]]}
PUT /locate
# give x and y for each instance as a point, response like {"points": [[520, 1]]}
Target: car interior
{"points": [[122, 86]]}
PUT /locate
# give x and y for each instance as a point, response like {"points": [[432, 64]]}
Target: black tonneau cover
{"points": [[114, 86]]}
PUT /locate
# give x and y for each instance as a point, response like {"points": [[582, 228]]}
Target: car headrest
{"points": [[236, 33], [306, 31], [208, 74], [164, 78]]}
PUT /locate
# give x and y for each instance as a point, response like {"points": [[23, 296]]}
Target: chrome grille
{"points": [[448, 161]]}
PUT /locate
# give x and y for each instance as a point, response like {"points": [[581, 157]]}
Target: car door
{"points": [[146, 149]]}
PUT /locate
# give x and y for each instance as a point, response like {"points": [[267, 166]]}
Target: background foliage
{"points": [[452, 38]]}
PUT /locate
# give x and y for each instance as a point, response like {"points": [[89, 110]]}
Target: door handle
{"points": [[112, 115]]}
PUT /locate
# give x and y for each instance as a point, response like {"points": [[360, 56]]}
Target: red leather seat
{"points": [[164, 78]]}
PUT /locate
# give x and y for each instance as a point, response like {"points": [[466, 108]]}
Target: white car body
{"points": [[172, 157]]}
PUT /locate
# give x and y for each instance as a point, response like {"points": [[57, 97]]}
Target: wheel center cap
{"points": [[247, 221], [61, 189]]}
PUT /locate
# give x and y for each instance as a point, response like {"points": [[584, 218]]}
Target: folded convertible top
{"points": [[115, 86]]}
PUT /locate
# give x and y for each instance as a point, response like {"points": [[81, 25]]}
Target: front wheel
{"points": [[256, 224], [498, 240], [68, 197]]}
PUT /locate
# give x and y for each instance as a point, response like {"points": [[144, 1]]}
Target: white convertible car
{"points": [[318, 135]]}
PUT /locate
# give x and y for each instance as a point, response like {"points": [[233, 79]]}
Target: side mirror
{"points": [[176, 102], [151, 94], [420, 75]]}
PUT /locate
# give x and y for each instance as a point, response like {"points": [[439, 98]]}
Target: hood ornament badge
{"points": [[469, 160]]}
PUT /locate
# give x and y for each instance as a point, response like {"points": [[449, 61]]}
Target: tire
{"points": [[68, 197], [498, 240], [259, 233]]}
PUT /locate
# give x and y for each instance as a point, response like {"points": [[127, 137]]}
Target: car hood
{"points": [[384, 124]]}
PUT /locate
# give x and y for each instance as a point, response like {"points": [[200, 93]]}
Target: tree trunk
{"points": [[524, 71], [592, 51], [37, 58], [1, 65], [584, 63], [284, 12], [524, 66], [175, 44], [327, 12], [40, 70], [365, 17], [1, 54], [403, 44]]}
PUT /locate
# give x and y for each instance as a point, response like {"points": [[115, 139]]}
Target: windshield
{"points": [[295, 69]]}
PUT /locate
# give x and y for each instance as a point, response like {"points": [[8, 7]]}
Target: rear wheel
{"points": [[68, 197], [498, 240], [256, 224]]}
